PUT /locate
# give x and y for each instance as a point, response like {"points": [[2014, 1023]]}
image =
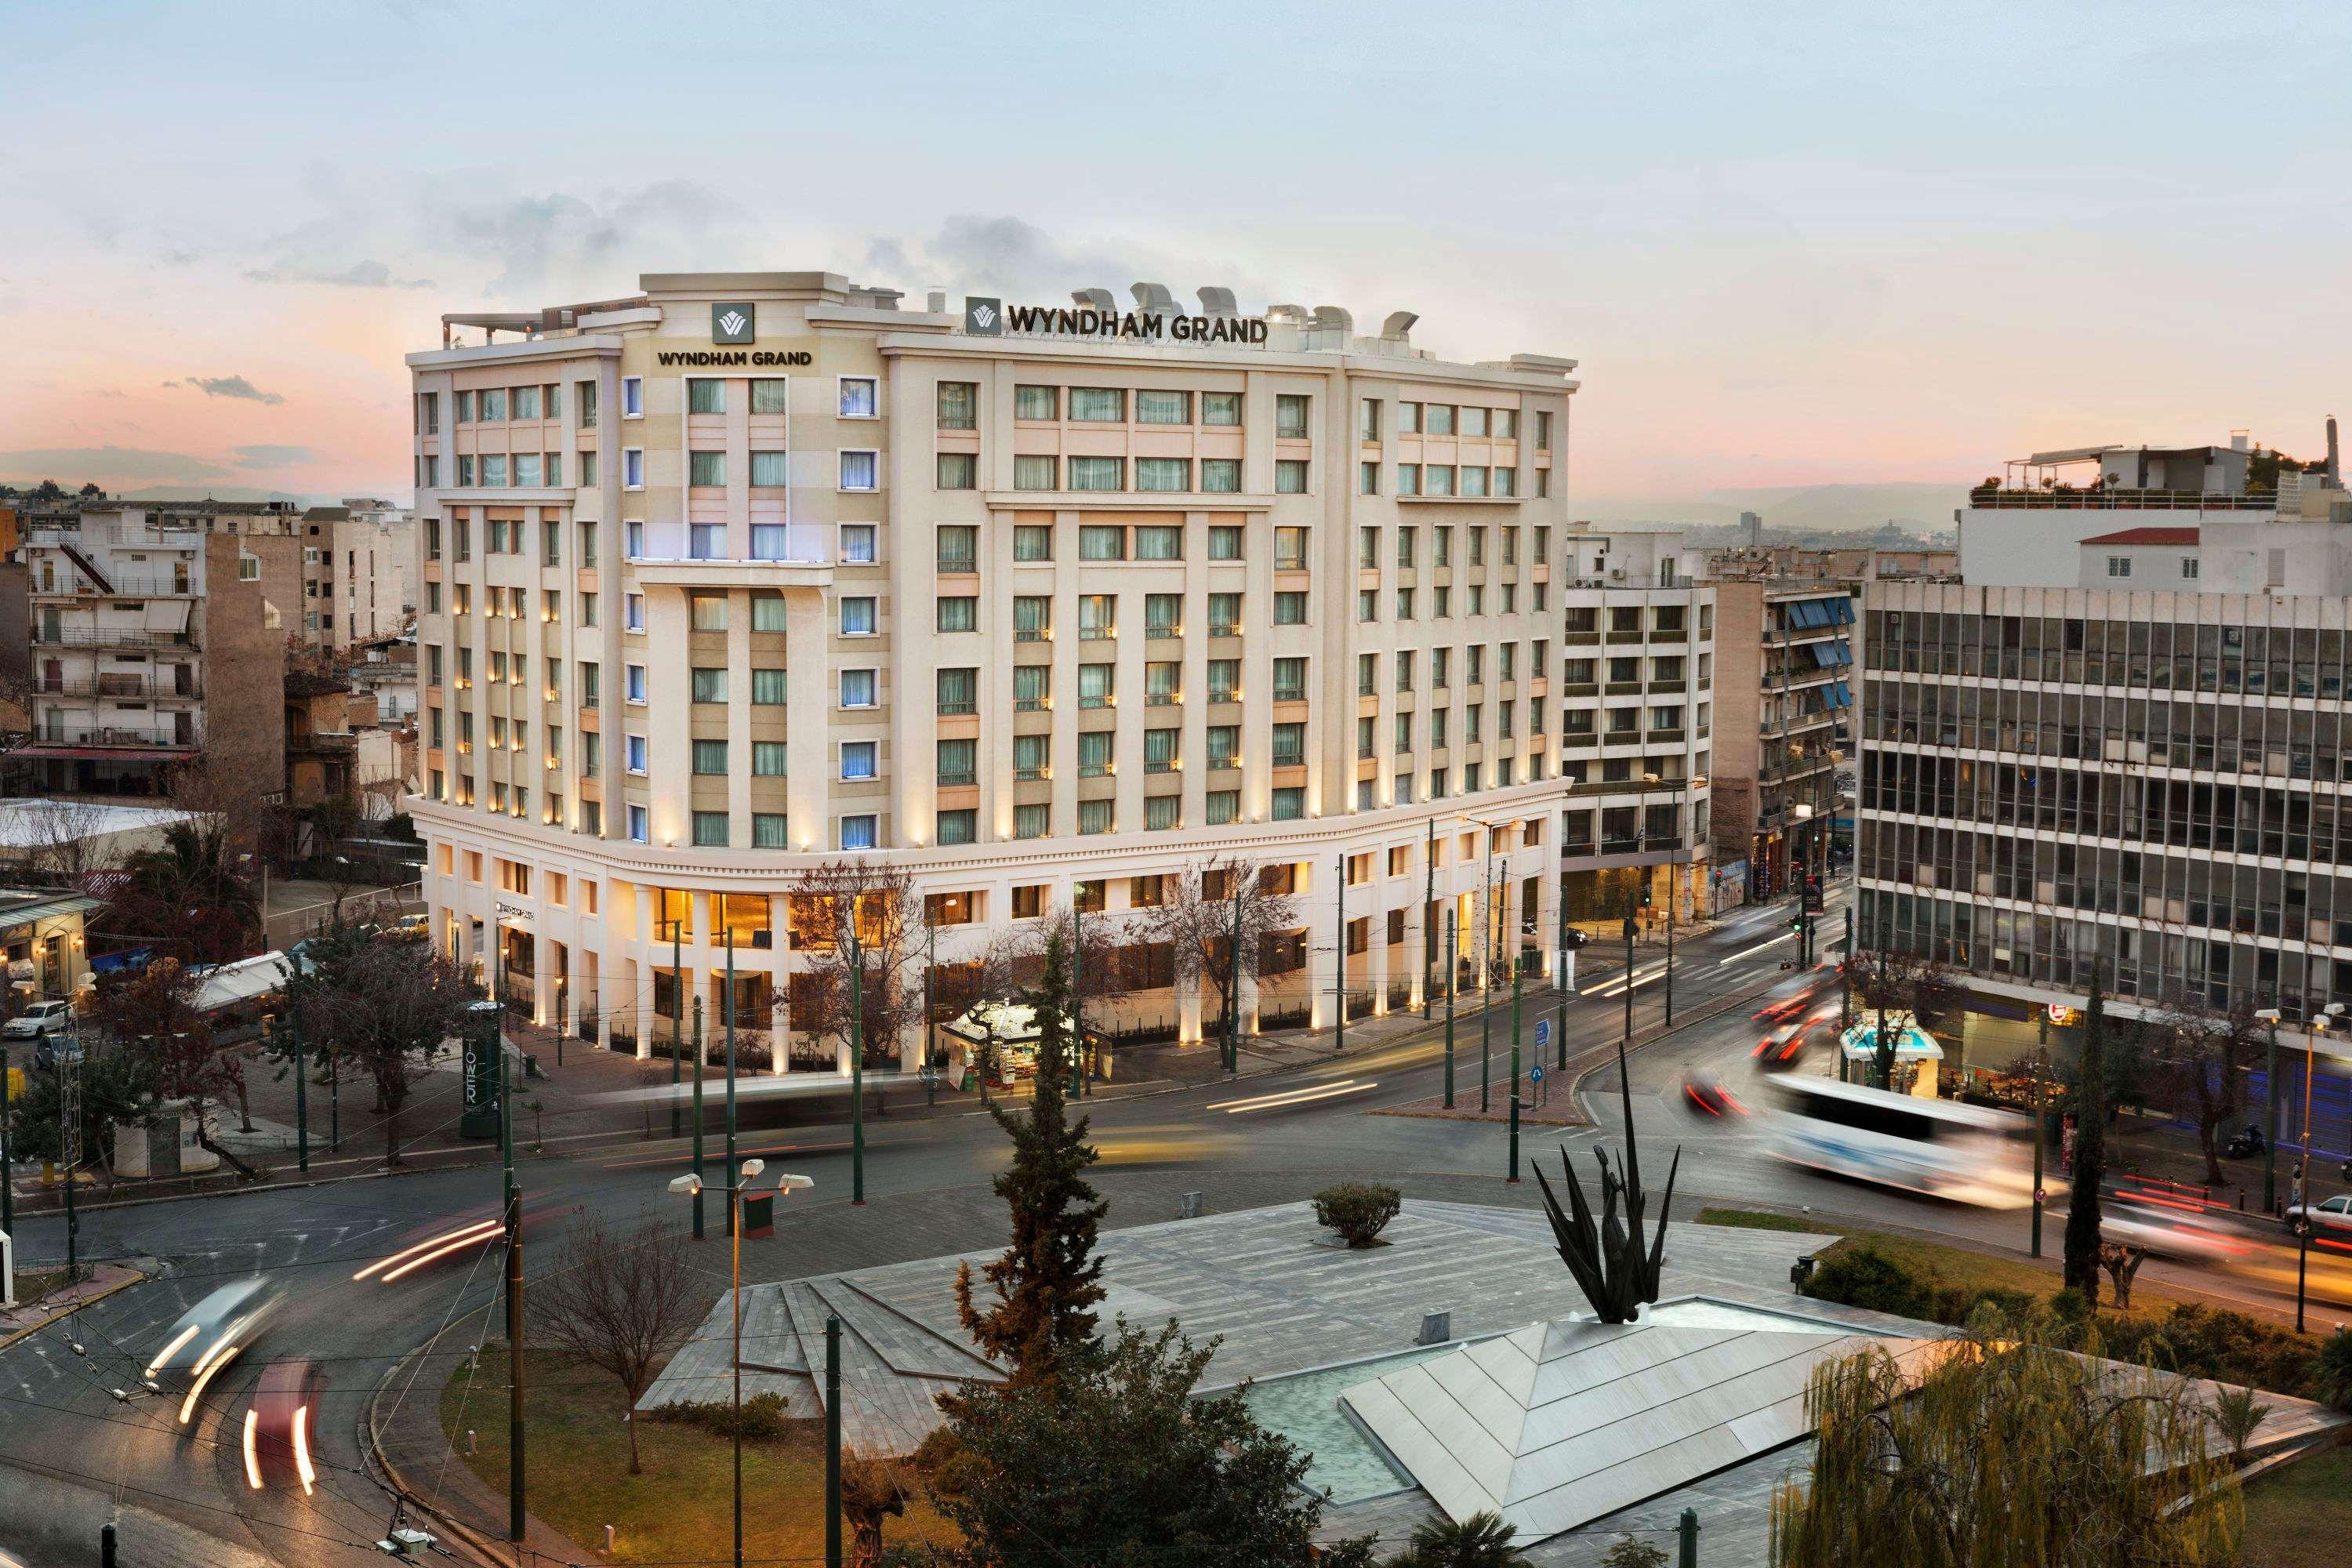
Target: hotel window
{"points": [[429, 471], [1290, 477], [1437, 419], [1437, 728], [706, 468], [769, 758], [1368, 603], [1474, 422], [637, 754], [1032, 688], [1163, 408], [1289, 805], [859, 398], [585, 393], [1290, 415], [586, 469], [710, 684], [1408, 478], [1158, 541], [858, 758], [957, 762], [859, 471], [1290, 549], [857, 688], [958, 471], [1366, 743], [633, 611], [1403, 737], [859, 832], [1160, 755], [959, 548], [1543, 431], [959, 827], [711, 758], [2119, 566], [1163, 614], [1437, 479], [706, 394], [768, 395], [1097, 817], [1444, 556], [1099, 404], [1224, 741], [1408, 418], [633, 682], [1094, 754], [858, 541], [528, 469], [767, 612], [1035, 473], [1095, 684], [1473, 480], [637, 825], [492, 402], [1507, 424], [1163, 473], [1224, 542], [1032, 821], [1162, 683], [632, 539], [1032, 541], [857, 617], [1162, 813], [1506, 481], [1404, 661], [770, 471], [1290, 680], [1037, 403], [961, 613], [1030, 757], [707, 612], [1368, 549], [770, 830], [633, 397], [1225, 806], [1221, 408], [1220, 476], [1369, 427], [633, 468], [1404, 603], [1290, 745], [1368, 479], [957, 691], [1441, 668], [494, 543], [493, 471], [1097, 473], [1098, 542], [2188, 567], [959, 406], [1290, 609], [767, 686], [1224, 681], [1032, 617], [1097, 617], [592, 685], [1224, 615]]}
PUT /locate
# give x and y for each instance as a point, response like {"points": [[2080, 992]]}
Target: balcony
{"points": [[1037, 774], [110, 636], [136, 687], [1622, 689], [2065, 499], [1225, 629], [795, 555], [1579, 738], [958, 776], [109, 738], [951, 708], [1156, 633], [123, 588], [1668, 687]]}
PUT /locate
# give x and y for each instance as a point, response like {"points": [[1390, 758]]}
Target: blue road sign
{"points": [[1537, 1074], [1543, 1033]]}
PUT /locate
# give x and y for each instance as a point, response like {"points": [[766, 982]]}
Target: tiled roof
{"points": [[2175, 536]]}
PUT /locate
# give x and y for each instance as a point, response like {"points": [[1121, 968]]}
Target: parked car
{"points": [[39, 1021], [2332, 1217]]}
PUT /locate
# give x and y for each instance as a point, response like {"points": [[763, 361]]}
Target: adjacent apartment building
{"points": [[358, 560], [749, 572], [158, 638], [2136, 757]]}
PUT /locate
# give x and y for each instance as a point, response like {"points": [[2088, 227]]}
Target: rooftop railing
{"points": [[2000, 499]]}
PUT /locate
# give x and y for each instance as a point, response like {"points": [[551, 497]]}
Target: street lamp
{"points": [[2319, 1026], [690, 1186], [2270, 1019]]}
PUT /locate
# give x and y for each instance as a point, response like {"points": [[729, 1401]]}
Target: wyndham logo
{"points": [[984, 318], [734, 322]]}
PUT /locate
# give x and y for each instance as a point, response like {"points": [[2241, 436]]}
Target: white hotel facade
{"points": [[750, 572]]}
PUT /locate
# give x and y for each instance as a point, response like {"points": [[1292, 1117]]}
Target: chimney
{"points": [[2238, 440], [2335, 468]]}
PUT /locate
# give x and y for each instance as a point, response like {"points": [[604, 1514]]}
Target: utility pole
{"points": [[1487, 979], [1428, 930], [698, 1116], [301, 1095], [7, 1155], [1845, 987], [730, 1061], [69, 1129], [515, 1471], [1453, 965], [2040, 1065], [1671, 890], [677, 1026], [1560, 986], [1517, 972], [1233, 983], [1629, 969], [2270, 1118], [1339, 1041], [1078, 987], [930, 1003], [832, 1441], [856, 1068]]}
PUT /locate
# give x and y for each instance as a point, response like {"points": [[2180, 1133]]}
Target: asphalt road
{"points": [[72, 1455]]}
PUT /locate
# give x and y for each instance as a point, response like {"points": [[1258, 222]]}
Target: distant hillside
{"points": [[1914, 507]]}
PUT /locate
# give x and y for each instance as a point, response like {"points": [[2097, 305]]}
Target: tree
{"points": [[384, 1007], [197, 888], [2082, 1244], [2017, 1448], [889, 956], [1116, 1462], [153, 1012], [1045, 1287], [2236, 1414], [1631, 1551], [1482, 1541], [873, 1489], [117, 1085], [48, 490], [89, 491], [1200, 918], [2203, 1056], [623, 1303], [2121, 1262], [1897, 983]]}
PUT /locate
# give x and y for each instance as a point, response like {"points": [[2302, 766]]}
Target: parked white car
{"points": [[38, 1022]]}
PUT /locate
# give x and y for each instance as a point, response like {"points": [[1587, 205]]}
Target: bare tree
{"points": [[879, 962], [620, 1302], [1885, 984], [2203, 1055], [65, 848], [383, 1006], [872, 1488], [2122, 1262], [1216, 918]]}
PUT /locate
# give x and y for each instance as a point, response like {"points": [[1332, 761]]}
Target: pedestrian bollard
{"points": [[469, 1441], [1689, 1530], [1187, 1205], [106, 1544], [610, 1535]]}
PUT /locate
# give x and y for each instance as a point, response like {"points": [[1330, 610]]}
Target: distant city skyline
{"points": [[1829, 246]]}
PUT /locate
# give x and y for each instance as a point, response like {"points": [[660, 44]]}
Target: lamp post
{"points": [[1452, 962], [690, 1186], [2040, 1075], [2270, 1018], [2319, 1026]]}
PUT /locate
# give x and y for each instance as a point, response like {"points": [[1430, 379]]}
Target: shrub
{"points": [[2221, 1346], [1358, 1210], [763, 1416], [1865, 1277], [2331, 1370], [2236, 1412]]}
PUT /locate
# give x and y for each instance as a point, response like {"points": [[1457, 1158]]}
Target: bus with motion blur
{"points": [[1962, 1154]]}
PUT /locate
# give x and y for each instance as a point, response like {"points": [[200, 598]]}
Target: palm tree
{"points": [[1482, 1541]]}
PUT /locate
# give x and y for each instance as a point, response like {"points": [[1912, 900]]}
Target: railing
{"points": [[113, 686], [55, 735], [954, 565], [950, 708], [966, 776], [1228, 629], [124, 588], [2116, 501], [103, 637], [771, 544]]}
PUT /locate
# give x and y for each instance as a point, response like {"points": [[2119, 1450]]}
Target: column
{"points": [[1189, 995], [638, 977]]}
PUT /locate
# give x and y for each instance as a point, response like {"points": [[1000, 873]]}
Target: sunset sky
{"points": [[1791, 244]]}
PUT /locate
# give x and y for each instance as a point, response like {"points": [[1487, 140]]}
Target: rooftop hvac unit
{"points": [[1617, 575]]}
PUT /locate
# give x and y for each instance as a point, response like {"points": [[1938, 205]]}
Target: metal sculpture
{"points": [[1607, 1258]]}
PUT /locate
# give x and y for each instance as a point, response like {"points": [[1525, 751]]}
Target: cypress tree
{"points": [[1049, 1279], [2081, 1251]]}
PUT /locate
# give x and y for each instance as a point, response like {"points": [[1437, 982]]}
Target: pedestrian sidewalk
{"points": [[30, 1317]]}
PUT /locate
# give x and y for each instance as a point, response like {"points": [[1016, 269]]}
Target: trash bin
{"points": [[759, 1214]]}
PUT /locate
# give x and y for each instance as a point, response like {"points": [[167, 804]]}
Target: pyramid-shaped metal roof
{"points": [[1558, 1423]]}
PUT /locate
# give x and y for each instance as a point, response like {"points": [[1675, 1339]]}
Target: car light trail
{"points": [[303, 1465], [219, 1359], [1616, 983], [179, 1343], [1292, 1097], [479, 1230], [252, 1457], [460, 1245], [1753, 951]]}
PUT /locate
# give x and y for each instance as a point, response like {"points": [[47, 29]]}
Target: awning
{"points": [[107, 753]]}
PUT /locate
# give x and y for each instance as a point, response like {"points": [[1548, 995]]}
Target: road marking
{"points": [[1292, 1097], [1616, 984], [1750, 952]]}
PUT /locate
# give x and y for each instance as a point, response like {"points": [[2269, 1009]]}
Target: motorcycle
{"points": [[2245, 1143]]}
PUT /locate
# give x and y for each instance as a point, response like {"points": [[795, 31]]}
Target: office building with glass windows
{"points": [[746, 572]]}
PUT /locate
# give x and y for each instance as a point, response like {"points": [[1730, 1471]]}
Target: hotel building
{"points": [[749, 572]]}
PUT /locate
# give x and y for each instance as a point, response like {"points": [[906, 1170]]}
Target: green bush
{"points": [[2331, 1370], [2221, 1346], [1865, 1277], [1358, 1210], [763, 1417]]}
